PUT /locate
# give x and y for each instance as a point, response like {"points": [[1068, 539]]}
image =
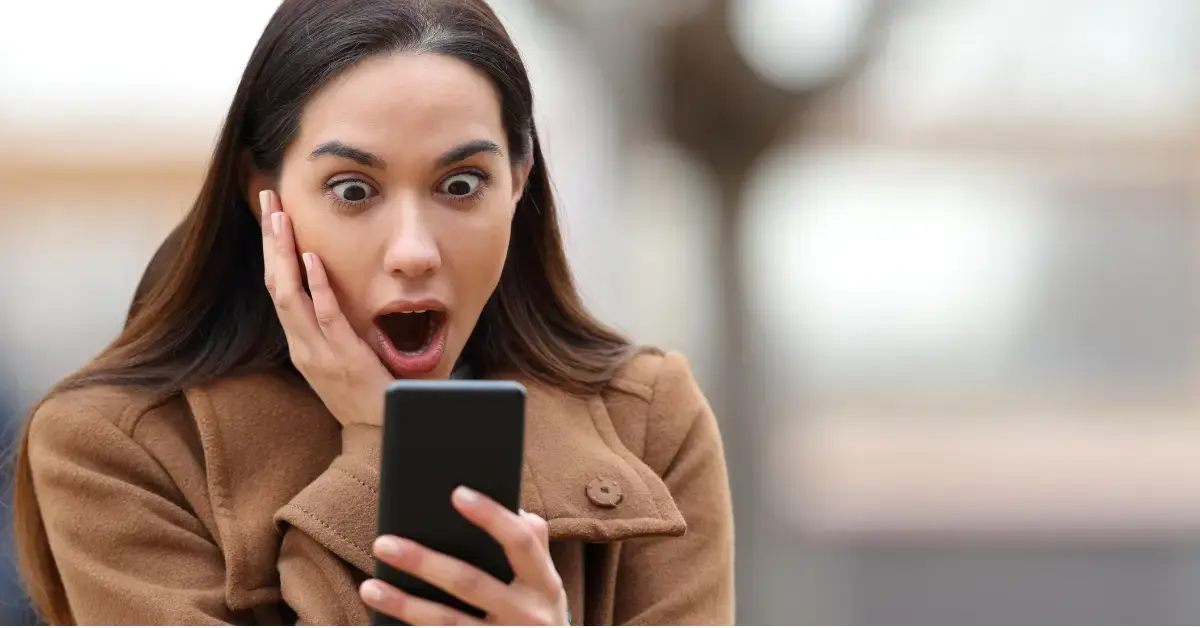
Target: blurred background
{"points": [[937, 264]]}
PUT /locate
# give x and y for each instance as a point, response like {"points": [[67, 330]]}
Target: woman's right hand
{"points": [[340, 366]]}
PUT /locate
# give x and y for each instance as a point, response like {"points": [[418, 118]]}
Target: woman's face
{"points": [[401, 180]]}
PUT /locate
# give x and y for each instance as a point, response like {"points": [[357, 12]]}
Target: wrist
{"points": [[362, 441]]}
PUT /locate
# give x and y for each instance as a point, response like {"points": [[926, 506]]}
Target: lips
{"points": [[410, 337]]}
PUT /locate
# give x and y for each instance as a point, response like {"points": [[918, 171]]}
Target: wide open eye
{"points": [[352, 191], [462, 184]]}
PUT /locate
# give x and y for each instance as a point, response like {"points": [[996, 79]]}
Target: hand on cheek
{"points": [[340, 367]]}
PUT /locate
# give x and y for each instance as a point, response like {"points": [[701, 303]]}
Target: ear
{"points": [[252, 182], [521, 178]]}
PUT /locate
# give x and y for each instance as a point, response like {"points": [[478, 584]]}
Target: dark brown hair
{"points": [[202, 311]]}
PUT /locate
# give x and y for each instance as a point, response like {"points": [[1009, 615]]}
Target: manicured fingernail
{"points": [[264, 202], [277, 222], [465, 494], [372, 591], [308, 261], [389, 545]]}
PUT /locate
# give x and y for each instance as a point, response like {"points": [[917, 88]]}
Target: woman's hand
{"points": [[339, 365], [535, 597]]}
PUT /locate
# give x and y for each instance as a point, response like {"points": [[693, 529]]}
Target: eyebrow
{"points": [[345, 151], [462, 152], [466, 150]]}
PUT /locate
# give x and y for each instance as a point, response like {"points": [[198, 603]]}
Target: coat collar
{"points": [[578, 475]]}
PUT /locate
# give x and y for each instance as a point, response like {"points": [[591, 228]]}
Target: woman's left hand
{"points": [[535, 597]]}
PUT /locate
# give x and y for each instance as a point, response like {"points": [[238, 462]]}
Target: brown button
{"points": [[604, 493]]}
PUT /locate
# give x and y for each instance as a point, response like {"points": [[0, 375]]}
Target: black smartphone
{"points": [[437, 436]]}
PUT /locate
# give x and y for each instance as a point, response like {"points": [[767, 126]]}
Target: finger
{"points": [[527, 550], [542, 529], [266, 203], [465, 582], [329, 315], [291, 301], [411, 609], [539, 526]]}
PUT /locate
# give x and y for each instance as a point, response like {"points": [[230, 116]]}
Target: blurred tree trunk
{"points": [[728, 117], [688, 80]]}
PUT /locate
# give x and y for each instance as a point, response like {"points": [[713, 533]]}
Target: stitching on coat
{"points": [[373, 489], [330, 529]]}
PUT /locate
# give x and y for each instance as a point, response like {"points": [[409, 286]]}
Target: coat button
{"points": [[604, 493]]}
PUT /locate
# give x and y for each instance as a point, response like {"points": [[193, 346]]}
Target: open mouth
{"points": [[411, 339], [411, 333]]}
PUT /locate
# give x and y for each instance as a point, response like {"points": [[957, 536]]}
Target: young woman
{"points": [[376, 208]]}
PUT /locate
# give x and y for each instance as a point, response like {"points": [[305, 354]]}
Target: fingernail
{"points": [[372, 591], [264, 202], [389, 545], [308, 261], [276, 222], [465, 494]]}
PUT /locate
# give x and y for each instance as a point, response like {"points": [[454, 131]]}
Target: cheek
{"points": [[478, 256], [340, 247]]}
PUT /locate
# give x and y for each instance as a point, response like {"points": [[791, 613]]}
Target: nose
{"points": [[412, 249]]}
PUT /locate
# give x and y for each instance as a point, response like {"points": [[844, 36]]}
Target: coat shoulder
{"points": [[653, 401], [77, 414], [637, 376]]}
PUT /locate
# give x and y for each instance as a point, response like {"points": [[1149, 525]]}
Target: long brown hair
{"points": [[202, 312]]}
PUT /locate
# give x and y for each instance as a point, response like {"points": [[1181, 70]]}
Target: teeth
{"points": [[417, 311]]}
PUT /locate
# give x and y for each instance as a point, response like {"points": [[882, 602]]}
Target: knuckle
{"points": [[336, 366], [541, 617], [467, 581], [301, 354], [300, 358], [352, 374], [526, 540], [397, 606], [329, 367]]}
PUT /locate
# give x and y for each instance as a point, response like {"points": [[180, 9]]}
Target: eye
{"points": [[351, 191], [462, 185]]}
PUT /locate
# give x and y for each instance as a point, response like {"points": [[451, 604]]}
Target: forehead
{"points": [[404, 103]]}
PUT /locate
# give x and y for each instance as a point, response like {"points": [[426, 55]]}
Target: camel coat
{"points": [[245, 501]]}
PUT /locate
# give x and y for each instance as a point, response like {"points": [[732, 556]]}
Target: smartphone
{"points": [[437, 436]]}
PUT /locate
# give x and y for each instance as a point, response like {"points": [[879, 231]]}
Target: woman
{"points": [[376, 207]]}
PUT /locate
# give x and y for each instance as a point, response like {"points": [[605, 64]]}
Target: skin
{"points": [[439, 191]]}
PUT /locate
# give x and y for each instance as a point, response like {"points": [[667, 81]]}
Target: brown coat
{"points": [[245, 502]]}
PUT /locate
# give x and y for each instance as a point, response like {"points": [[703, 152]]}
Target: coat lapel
{"points": [[582, 479], [265, 437]]}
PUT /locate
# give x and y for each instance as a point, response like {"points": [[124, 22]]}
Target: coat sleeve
{"points": [[127, 548], [688, 579], [323, 560]]}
